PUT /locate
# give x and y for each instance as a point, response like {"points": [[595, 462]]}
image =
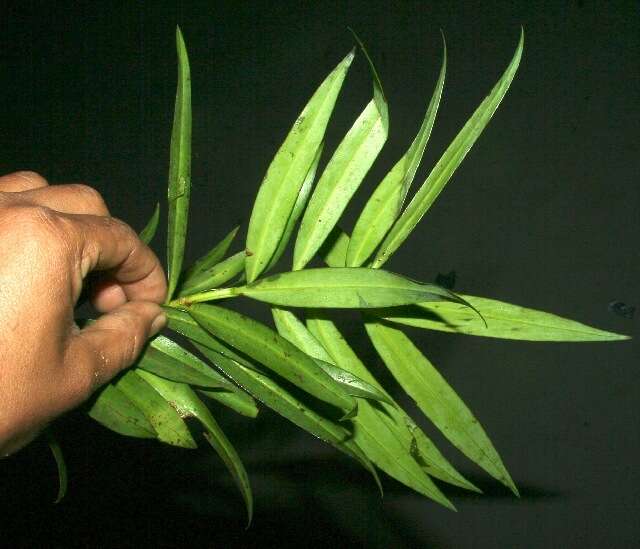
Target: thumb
{"points": [[100, 351]]}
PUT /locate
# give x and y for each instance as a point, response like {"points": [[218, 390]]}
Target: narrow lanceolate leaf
{"points": [[341, 178], [186, 402], [293, 330], [115, 411], [386, 433], [298, 208], [149, 231], [439, 402], [346, 288], [334, 249], [352, 384], [182, 323], [385, 204], [239, 401], [179, 169], [168, 359], [61, 465], [233, 397], [267, 347], [274, 396], [214, 276], [210, 259], [447, 164], [165, 420], [504, 320], [286, 174]]}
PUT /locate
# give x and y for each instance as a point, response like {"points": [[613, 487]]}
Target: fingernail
{"points": [[158, 323]]}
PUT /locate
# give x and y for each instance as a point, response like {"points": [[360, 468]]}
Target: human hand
{"points": [[52, 238]]}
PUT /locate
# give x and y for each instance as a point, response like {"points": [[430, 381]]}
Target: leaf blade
{"points": [[115, 411], [211, 258], [298, 208], [267, 347], [165, 420], [284, 403], [215, 276], [341, 178], [385, 204], [61, 465], [292, 329], [399, 431], [448, 163], [437, 400], [239, 401], [348, 287], [186, 402], [166, 358], [149, 231], [281, 185], [504, 321], [179, 190]]}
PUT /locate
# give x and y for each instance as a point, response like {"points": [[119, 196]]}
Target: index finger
{"points": [[109, 244]]}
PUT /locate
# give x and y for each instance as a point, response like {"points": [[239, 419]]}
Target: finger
{"points": [[108, 244], [71, 198], [97, 353], [107, 295], [21, 181]]}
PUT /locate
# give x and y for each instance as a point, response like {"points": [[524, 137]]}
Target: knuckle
{"points": [[89, 196], [122, 226], [34, 178], [45, 226]]}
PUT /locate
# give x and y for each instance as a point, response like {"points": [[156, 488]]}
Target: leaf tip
{"points": [[352, 412]]}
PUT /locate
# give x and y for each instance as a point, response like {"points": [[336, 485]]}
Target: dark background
{"points": [[543, 213]]}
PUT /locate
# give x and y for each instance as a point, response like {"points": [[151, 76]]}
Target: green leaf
{"points": [[386, 433], [295, 331], [149, 231], [239, 401], [164, 419], [342, 176], [267, 347], [185, 401], [168, 359], [182, 323], [385, 204], [334, 250], [447, 164], [210, 259], [439, 402], [378, 93], [233, 397], [214, 276], [298, 208], [179, 169], [504, 320], [286, 174], [115, 411], [358, 288], [284, 403], [58, 456]]}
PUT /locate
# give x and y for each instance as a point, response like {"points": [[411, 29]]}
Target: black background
{"points": [[543, 213]]}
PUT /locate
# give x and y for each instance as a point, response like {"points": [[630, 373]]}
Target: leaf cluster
{"points": [[303, 368]]}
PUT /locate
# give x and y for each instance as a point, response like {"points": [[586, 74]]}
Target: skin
{"points": [[52, 238]]}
